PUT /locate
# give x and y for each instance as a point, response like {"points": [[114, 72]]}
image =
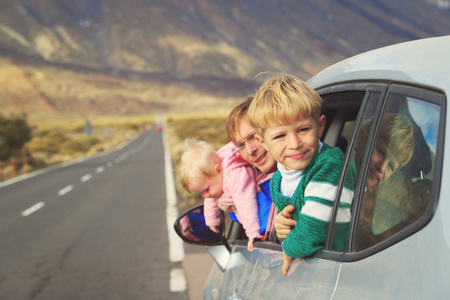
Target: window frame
{"points": [[385, 89], [368, 88]]}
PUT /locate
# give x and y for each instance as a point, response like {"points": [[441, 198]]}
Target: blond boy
{"points": [[286, 116]]}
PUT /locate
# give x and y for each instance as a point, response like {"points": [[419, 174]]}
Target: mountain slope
{"points": [[208, 45]]}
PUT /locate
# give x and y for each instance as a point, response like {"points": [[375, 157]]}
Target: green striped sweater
{"points": [[313, 200]]}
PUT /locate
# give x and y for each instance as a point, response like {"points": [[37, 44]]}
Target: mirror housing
{"points": [[191, 228]]}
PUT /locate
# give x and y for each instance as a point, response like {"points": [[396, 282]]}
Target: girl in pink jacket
{"points": [[223, 177]]}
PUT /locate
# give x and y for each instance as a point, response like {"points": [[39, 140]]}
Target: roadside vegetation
{"points": [[48, 142], [26, 146]]}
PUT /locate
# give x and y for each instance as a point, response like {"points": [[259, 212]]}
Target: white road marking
{"points": [[110, 164], [65, 190], [176, 247], [177, 280], [32, 209], [100, 170], [86, 177], [117, 160]]}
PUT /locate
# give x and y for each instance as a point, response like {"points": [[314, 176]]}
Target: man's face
{"points": [[382, 165], [294, 145], [207, 186], [251, 150]]}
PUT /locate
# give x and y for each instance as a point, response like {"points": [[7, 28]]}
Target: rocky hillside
{"points": [[200, 47]]}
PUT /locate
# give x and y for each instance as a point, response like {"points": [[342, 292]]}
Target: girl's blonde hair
{"points": [[283, 99], [198, 160]]}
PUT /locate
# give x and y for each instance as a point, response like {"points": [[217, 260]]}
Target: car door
{"points": [[258, 275]]}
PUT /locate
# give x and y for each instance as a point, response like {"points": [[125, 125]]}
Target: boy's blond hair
{"points": [[396, 131], [283, 99], [198, 160]]}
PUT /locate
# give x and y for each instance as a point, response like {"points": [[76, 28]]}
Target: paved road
{"points": [[95, 229]]}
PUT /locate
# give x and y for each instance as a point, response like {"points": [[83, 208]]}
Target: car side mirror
{"points": [[192, 229]]}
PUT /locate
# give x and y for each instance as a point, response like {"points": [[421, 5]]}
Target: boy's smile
{"points": [[294, 145]]}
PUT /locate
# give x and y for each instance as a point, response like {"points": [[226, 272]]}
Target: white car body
{"points": [[409, 261]]}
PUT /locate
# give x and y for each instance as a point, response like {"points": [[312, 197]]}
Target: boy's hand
{"points": [[286, 263], [284, 222], [214, 228]]}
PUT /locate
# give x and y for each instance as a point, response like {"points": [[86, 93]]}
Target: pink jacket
{"points": [[240, 185]]}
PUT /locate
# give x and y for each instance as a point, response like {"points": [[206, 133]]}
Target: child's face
{"points": [[382, 165], [294, 145], [207, 186]]}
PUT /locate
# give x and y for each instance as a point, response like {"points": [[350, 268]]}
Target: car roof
{"points": [[424, 62]]}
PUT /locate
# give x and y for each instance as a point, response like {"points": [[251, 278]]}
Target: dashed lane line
{"points": [[86, 177], [32, 209], [65, 190]]}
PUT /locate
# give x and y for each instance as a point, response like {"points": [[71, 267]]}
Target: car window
{"points": [[391, 159], [399, 175], [340, 110], [371, 216]]}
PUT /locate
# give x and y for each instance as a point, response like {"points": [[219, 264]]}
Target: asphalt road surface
{"points": [[93, 229]]}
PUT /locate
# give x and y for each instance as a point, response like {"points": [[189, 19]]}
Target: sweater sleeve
{"points": [[310, 231], [212, 212], [241, 185]]}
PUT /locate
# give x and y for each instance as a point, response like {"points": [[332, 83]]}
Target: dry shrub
{"points": [[128, 125], [43, 145], [78, 145], [56, 136], [26, 168], [8, 172]]}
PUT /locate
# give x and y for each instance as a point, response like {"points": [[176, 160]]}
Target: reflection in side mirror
{"points": [[191, 227]]}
